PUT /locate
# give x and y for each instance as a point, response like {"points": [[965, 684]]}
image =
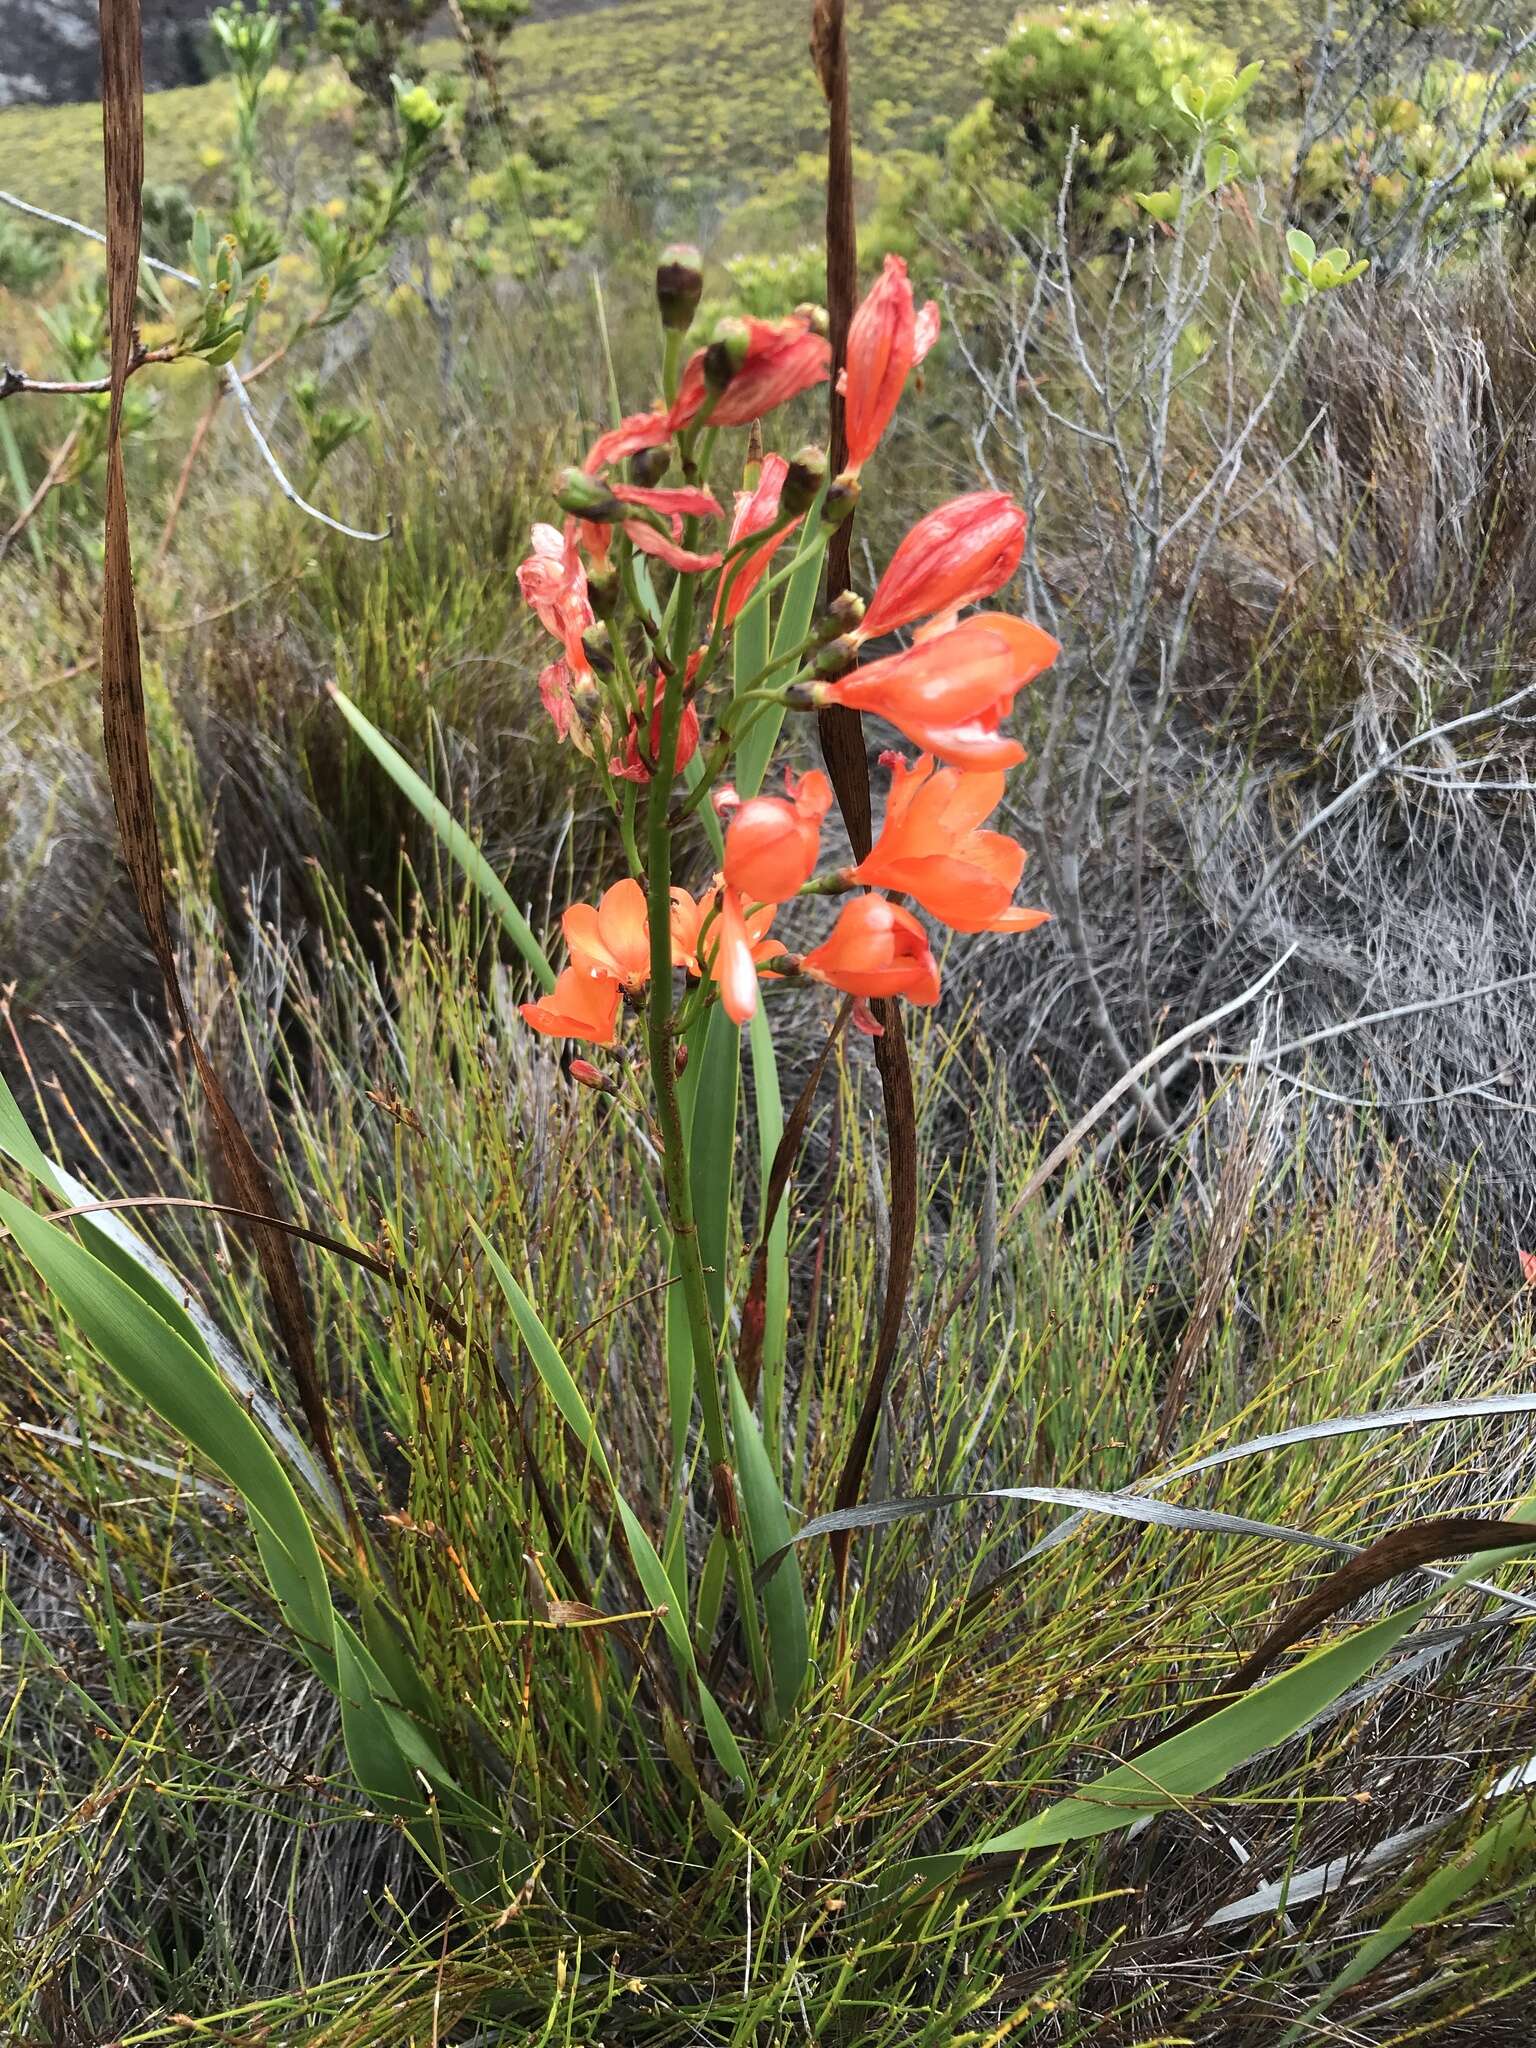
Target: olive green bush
{"points": [[1093, 87]]}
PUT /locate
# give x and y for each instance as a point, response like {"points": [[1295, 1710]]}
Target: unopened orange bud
{"points": [[591, 1077]]}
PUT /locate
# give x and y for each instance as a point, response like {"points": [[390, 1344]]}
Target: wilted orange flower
{"points": [[631, 767], [930, 848], [876, 948], [771, 845], [957, 555], [949, 693], [641, 430], [884, 343], [755, 510], [678, 501], [780, 359], [580, 1005], [554, 587], [650, 542]]}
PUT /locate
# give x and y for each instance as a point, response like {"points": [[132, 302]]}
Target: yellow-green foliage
{"points": [[1465, 130], [1102, 74]]}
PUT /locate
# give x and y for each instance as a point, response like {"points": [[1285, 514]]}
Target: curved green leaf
{"points": [[452, 834]]}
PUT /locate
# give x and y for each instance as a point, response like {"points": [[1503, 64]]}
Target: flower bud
{"points": [[591, 1077], [842, 496], [587, 496], [842, 615], [679, 285], [806, 475], [726, 353], [598, 649], [680, 1063], [648, 466], [815, 318], [836, 658], [603, 590]]}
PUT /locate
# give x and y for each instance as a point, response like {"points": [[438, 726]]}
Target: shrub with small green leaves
{"points": [[26, 264], [1110, 76], [1441, 163], [1311, 273]]}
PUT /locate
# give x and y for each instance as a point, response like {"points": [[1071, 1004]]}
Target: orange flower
{"points": [[632, 767], [779, 359], [957, 555], [884, 343], [717, 939], [612, 938], [930, 847], [755, 510], [876, 948], [949, 693], [771, 846], [580, 1005]]}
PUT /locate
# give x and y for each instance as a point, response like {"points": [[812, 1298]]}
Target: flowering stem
{"points": [[674, 1149]]}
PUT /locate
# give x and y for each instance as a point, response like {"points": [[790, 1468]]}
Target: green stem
{"points": [[674, 1149], [759, 702]]}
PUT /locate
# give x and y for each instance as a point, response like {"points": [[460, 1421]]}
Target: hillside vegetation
{"points": [[838, 1460]]}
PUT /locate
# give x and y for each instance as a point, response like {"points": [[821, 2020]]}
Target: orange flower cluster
{"points": [[949, 691]]}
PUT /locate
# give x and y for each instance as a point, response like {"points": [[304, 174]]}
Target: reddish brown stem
{"points": [[842, 744]]}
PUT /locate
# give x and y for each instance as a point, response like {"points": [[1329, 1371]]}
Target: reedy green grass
{"points": [[182, 1834]]}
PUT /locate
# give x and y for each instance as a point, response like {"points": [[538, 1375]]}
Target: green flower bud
{"points": [[649, 465], [842, 496], [679, 285], [841, 616], [603, 590], [599, 648], [587, 496], [836, 658], [418, 109], [726, 353], [807, 473]]}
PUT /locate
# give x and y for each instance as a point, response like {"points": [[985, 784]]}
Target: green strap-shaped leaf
{"points": [[568, 1398], [182, 1387], [1188, 1764], [789, 1645], [453, 836], [795, 614], [712, 1152], [111, 1239]]}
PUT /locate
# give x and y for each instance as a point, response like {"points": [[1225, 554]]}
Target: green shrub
{"points": [[1105, 75], [1444, 161], [26, 262]]}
